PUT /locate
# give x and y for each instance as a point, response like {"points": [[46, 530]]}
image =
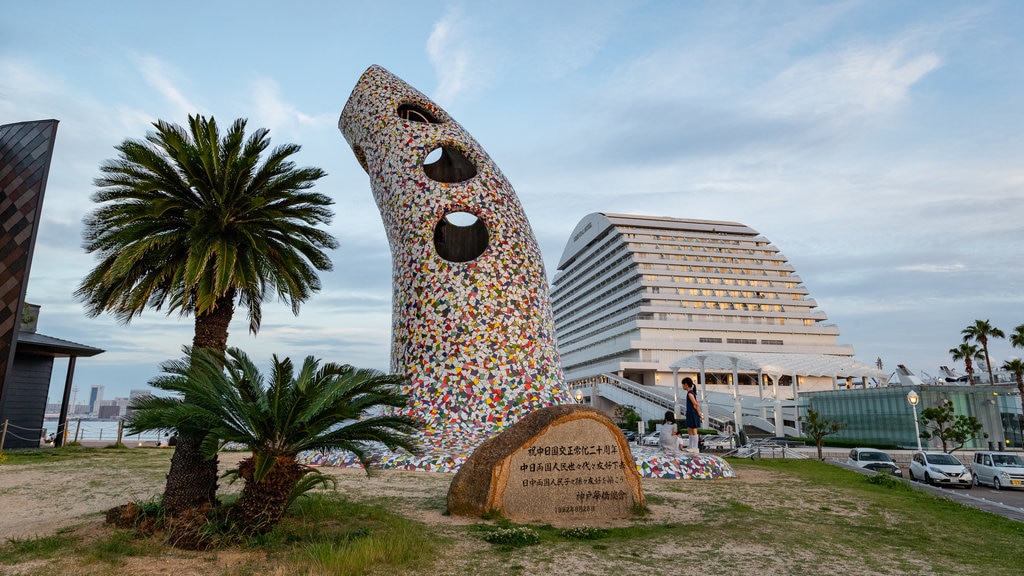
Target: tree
{"points": [[627, 415], [817, 428], [940, 422], [1016, 367], [968, 353], [1017, 337], [223, 397], [197, 223], [980, 332]]}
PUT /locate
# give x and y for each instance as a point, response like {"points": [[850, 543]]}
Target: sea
{"points": [[98, 431]]}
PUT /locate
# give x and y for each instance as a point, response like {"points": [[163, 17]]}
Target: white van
{"points": [[998, 469]]}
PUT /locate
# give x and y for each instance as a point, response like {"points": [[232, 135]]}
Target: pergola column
{"points": [[675, 391], [737, 399]]}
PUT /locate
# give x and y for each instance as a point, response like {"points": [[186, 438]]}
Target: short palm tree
{"points": [[1015, 366], [195, 222], [968, 353], [224, 398], [980, 332]]}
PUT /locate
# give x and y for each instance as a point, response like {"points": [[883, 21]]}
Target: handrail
{"points": [[626, 385]]}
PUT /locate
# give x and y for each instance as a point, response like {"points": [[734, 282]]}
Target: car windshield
{"points": [[942, 459], [875, 457], [1008, 460]]}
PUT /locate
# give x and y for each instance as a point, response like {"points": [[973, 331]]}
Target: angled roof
{"points": [[776, 365], [36, 343]]}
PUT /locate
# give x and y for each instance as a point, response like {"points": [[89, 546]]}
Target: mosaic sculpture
{"points": [[471, 326]]}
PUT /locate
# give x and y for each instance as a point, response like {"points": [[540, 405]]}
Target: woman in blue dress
{"points": [[693, 414]]}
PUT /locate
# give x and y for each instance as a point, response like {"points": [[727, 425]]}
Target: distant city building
{"points": [[109, 411], [633, 294], [95, 397]]}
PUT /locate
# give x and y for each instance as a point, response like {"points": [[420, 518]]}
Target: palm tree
{"points": [[968, 353], [224, 398], [980, 332], [1016, 367], [1017, 337], [197, 223]]}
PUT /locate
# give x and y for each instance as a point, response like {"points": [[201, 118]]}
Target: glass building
{"points": [[884, 416]]}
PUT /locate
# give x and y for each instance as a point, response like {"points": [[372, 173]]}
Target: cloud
{"points": [[163, 78], [450, 57], [935, 268], [279, 116], [846, 84]]}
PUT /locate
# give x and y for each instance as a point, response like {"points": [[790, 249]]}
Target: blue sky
{"points": [[878, 144]]}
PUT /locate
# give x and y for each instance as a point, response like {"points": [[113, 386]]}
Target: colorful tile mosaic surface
{"points": [[650, 462], [475, 338]]}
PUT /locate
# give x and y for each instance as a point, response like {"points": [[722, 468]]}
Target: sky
{"points": [[878, 144]]}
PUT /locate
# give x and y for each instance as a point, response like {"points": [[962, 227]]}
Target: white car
{"points": [[873, 459], [652, 439], [940, 469], [717, 443], [998, 469]]}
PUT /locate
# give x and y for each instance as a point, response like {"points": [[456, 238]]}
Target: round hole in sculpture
{"points": [[450, 167], [460, 237], [414, 113]]}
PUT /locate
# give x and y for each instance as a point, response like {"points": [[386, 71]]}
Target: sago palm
{"points": [[968, 353], [980, 332], [224, 398], [196, 222]]}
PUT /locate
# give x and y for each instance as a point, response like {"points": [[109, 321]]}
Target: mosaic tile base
{"points": [[650, 462]]}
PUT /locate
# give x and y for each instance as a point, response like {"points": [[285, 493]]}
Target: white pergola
{"points": [[775, 366]]}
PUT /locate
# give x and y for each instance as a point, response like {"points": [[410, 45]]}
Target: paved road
{"points": [[1006, 502]]}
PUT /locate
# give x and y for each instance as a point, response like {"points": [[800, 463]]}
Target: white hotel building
{"points": [[642, 297]]}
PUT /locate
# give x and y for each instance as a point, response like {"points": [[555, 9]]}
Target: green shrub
{"points": [[888, 481]]}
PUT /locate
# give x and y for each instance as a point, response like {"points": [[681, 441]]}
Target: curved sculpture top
{"points": [[472, 326]]}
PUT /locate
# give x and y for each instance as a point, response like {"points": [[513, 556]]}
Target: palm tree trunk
{"points": [[262, 504], [988, 361], [211, 330], [192, 479]]}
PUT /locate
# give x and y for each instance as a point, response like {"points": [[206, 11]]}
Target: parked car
{"points": [[939, 469], [873, 459], [719, 442], [652, 439], [998, 469], [631, 435], [776, 441]]}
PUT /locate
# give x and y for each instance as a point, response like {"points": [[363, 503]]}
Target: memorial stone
{"points": [[562, 465]]}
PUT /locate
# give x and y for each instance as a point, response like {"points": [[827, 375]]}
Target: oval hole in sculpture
{"points": [[460, 237], [414, 113], [450, 167]]}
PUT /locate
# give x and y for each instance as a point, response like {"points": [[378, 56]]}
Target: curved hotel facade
{"points": [[633, 294]]}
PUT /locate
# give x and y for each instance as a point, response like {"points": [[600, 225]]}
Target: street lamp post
{"points": [[913, 398]]}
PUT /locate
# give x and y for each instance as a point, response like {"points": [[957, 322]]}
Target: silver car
{"points": [[940, 469], [998, 469], [717, 442]]}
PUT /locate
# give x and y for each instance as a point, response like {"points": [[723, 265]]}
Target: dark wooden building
{"points": [[23, 403], [26, 357]]}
